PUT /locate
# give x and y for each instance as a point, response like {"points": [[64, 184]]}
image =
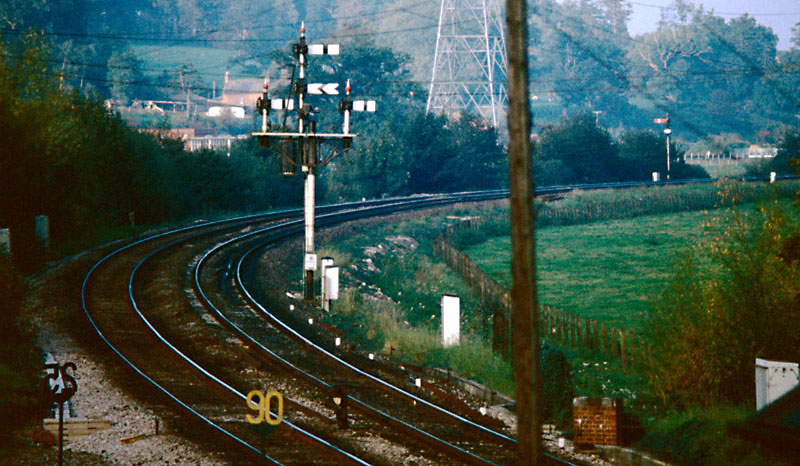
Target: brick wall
{"points": [[596, 420]]}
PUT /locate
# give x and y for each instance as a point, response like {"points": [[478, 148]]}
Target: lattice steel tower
{"points": [[469, 66]]}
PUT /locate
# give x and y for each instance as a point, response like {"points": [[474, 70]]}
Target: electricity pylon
{"points": [[469, 66]]}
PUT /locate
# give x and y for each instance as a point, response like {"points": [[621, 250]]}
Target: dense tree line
{"points": [[578, 150], [711, 75], [67, 156]]}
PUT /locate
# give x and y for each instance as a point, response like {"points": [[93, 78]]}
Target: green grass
{"points": [[407, 325], [614, 269], [701, 438], [611, 271], [724, 170], [210, 63]]}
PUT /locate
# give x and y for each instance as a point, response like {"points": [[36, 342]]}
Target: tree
{"points": [[124, 75], [730, 300], [643, 152], [583, 148], [479, 162], [580, 56], [19, 15], [786, 161], [24, 399]]}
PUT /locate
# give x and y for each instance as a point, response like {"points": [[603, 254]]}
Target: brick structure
{"points": [[597, 421]]}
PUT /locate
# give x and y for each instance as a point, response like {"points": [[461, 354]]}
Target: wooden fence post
{"points": [[500, 334], [622, 348], [571, 318], [589, 338], [604, 341]]}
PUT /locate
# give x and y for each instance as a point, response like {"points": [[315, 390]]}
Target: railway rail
{"points": [[359, 384], [131, 328], [113, 309], [205, 377]]}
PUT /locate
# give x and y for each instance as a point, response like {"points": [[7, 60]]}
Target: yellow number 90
{"points": [[263, 407]]}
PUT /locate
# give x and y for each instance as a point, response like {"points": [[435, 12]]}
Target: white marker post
{"points": [[331, 286], [324, 263], [451, 320]]}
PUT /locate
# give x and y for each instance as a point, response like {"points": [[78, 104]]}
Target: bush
{"points": [[731, 299], [701, 438], [24, 397], [557, 390]]}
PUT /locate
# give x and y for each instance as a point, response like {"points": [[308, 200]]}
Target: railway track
{"points": [[214, 341], [120, 311], [368, 396], [196, 368], [137, 320]]}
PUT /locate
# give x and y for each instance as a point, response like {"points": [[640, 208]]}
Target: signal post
{"points": [[305, 149], [667, 132]]}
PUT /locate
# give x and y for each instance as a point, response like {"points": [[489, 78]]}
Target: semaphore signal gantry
{"points": [[303, 148]]}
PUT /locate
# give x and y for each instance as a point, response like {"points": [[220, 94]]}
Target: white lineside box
{"points": [[451, 320], [332, 282], [325, 262], [773, 380]]}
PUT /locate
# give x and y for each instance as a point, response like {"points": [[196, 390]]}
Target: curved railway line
{"points": [[194, 368], [178, 310]]}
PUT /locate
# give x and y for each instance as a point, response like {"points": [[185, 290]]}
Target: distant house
{"points": [[241, 92], [758, 152], [218, 110], [183, 134]]}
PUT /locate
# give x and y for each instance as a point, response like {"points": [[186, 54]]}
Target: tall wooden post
{"points": [[524, 314]]}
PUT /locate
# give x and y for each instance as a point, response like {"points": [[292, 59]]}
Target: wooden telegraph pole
{"points": [[524, 307]]}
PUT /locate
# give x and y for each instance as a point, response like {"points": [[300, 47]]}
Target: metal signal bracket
{"points": [[306, 149]]}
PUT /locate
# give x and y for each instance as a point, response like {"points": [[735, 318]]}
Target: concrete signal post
{"points": [[667, 132], [303, 148]]}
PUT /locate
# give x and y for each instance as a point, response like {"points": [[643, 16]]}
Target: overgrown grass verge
{"points": [[701, 438], [380, 325]]}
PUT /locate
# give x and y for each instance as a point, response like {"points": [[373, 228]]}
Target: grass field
{"points": [[611, 271], [209, 63]]}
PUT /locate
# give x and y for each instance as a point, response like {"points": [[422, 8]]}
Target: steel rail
{"points": [[376, 203], [232, 222], [133, 366], [379, 381], [206, 372], [362, 406], [299, 336]]}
